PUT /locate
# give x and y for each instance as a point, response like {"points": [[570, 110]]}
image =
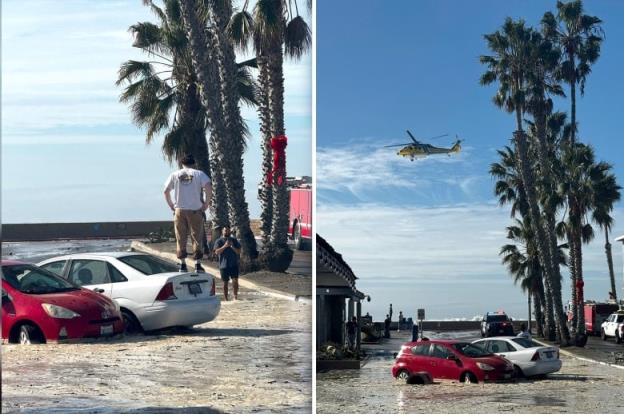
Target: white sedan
{"points": [[151, 292], [528, 357]]}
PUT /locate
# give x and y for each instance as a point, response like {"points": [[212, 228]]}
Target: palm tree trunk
{"points": [[580, 318], [549, 208], [279, 230], [546, 259], [266, 185], [610, 263], [219, 194], [573, 99], [228, 142], [573, 277], [529, 304]]}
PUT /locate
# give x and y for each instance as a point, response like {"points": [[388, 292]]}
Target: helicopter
{"points": [[417, 149]]}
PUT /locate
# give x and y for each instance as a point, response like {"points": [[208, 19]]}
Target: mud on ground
{"points": [[254, 358]]}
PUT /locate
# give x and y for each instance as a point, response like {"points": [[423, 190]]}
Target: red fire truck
{"points": [[596, 314], [300, 218]]}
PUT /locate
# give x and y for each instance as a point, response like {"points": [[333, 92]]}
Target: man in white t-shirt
{"points": [[190, 188]]}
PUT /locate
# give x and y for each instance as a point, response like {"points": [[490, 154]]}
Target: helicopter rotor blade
{"points": [[439, 136], [397, 145], [412, 137]]}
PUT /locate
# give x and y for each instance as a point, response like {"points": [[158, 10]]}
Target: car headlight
{"points": [[485, 367], [59, 312]]}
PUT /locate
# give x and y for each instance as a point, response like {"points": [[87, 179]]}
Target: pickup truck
{"points": [[613, 327]]}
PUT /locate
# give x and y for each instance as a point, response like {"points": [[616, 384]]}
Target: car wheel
{"points": [[30, 335], [518, 372], [603, 335], [297, 237], [131, 324], [403, 375], [468, 378]]}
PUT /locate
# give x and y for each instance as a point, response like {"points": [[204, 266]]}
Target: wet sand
{"points": [[254, 358]]}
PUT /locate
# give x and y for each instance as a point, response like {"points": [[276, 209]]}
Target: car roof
{"points": [[494, 338], [115, 255], [11, 262], [436, 341]]}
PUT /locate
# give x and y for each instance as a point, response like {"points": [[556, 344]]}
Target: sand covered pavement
{"points": [[579, 387], [254, 358]]}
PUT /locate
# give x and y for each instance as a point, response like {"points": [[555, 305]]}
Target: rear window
{"points": [[148, 265], [526, 342], [497, 318], [471, 350], [34, 280]]}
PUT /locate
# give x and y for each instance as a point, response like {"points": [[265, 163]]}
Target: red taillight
{"points": [[212, 289], [536, 356], [166, 293]]}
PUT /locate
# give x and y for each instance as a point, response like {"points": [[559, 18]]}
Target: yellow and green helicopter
{"points": [[416, 149]]}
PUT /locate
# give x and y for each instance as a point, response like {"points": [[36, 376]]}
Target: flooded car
{"points": [[151, 292], [451, 360], [528, 357], [38, 307]]}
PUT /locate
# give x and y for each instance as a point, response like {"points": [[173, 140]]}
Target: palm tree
{"points": [[509, 190], [218, 97], [156, 99], [523, 263], [606, 194], [509, 66], [276, 30], [596, 192], [580, 37]]}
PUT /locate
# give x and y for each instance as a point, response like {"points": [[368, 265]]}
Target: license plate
{"points": [[106, 330], [194, 288], [549, 354]]}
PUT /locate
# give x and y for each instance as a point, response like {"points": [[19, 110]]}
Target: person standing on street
{"points": [[352, 332], [390, 313], [387, 327], [188, 185], [228, 249]]}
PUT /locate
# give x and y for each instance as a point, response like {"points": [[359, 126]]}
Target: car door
{"points": [[418, 359], [91, 274], [609, 331], [447, 368]]}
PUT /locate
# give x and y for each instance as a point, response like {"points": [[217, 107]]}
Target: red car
{"points": [[38, 307], [451, 360]]}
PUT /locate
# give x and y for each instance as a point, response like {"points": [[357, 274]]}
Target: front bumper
{"points": [[81, 329], [177, 312]]}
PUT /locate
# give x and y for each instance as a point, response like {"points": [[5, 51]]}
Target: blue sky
{"points": [[70, 152], [427, 233]]}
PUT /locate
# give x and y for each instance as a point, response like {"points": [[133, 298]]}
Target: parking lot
{"points": [[579, 387], [255, 357]]}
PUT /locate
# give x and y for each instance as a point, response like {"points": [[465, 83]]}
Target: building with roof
{"points": [[337, 298]]}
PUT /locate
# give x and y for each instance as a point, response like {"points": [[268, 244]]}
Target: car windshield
{"points": [[526, 342], [34, 280], [148, 265], [471, 350], [497, 318]]}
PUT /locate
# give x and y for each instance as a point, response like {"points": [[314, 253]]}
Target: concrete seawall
{"points": [[443, 326], [78, 231], [96, 230]]}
